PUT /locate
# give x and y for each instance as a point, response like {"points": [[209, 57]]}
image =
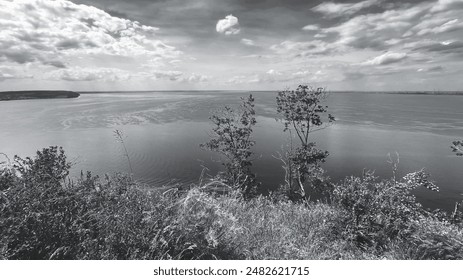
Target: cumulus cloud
{"points": [[332, 9], [387, 58], [228, 26], [51, 33]]}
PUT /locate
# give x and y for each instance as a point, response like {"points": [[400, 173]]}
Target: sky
{"points": [[105, 45]]}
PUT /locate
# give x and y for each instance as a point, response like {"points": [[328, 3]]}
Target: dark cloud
{"points": [[55, 63], [73, 43], [18, 55]]}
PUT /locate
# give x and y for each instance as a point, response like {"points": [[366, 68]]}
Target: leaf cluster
{"points": [[302, 110]]}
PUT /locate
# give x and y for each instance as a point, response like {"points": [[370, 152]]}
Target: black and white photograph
{"points": [[231, 130]]}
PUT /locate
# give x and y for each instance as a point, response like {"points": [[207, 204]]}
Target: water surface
{"points": [[164, 130]]}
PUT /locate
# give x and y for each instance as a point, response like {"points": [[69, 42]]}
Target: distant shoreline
{"points": [[245, 91], [36, 94]]}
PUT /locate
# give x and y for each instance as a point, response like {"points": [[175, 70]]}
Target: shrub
{"points": [[231, 137], [49, 166], [378, 212]]}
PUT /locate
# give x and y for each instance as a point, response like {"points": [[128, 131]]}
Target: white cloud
{"points": [[248, 42], [228, 26], [311, 27], [331, 9], [57, 33], [387, 58]]}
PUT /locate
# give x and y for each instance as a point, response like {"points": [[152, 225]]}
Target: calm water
{"points": [[164, 130]]}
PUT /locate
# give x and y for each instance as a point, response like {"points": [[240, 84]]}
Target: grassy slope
{"points": [[117, 219]]}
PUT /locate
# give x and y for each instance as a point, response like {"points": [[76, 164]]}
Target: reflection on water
{"points": [[164, 130]]}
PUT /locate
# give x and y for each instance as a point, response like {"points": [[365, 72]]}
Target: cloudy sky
{"points": [[231, 44]]}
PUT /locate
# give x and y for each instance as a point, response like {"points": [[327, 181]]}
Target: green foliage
{"points": [[302, 112], [231, 137]]}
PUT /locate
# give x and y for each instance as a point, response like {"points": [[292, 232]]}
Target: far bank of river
{"points": [[37, 94]]}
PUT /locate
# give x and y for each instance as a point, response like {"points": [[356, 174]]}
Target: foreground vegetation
{"points": [[46, 215]]}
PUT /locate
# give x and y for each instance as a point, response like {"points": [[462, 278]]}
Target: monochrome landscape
{"points": [[262, 129]]}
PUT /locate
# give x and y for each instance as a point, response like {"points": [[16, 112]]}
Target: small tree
{"points": [[231, 137], [302, 112]]}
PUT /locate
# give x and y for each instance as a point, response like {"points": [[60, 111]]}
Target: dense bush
{"points": [[231, 137], [382, 214]]}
